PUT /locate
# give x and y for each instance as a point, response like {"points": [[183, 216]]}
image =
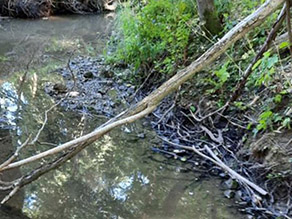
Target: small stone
{"points": [[141, 135], [88, 74], [231, 184], [106, 72], [238, 195], [214, 171], [127, 130], [60, 88], [112, 93], [98, 95], [229, 193], [73, 94], [223, 175], [122, 87]]}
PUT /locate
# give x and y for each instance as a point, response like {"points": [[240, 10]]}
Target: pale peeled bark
{"points": [[148, 104]]}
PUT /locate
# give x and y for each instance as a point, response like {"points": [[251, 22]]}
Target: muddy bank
{"points": [[44, 8], [90, 87]]}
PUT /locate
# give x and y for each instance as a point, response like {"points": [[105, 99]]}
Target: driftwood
{"points": [[215, 160], [148, 104]]}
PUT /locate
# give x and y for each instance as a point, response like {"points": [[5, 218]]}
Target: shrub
{"points": [[155, 36]]}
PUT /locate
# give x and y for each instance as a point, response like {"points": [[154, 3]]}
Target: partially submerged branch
{"points": [[215, 160]]}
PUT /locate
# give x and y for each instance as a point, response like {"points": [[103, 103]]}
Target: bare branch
{"points": [[15, 155], [9, 196], [220, 163]]}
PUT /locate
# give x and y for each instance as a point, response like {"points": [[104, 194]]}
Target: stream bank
{"points": [[46, 8]]}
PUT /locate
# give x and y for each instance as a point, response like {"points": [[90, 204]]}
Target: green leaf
{"points": [[249, 126], [278, 98], [277, 118], [271, 61], [286, 122], [283, 45], [257, 64], [267, 54], [193, 109], [222, 73], [266, 115]]}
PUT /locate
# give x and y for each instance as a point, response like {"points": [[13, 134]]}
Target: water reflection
{"points": [[47, 42], [8, 105]]}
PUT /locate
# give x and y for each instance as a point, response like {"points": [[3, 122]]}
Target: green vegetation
{"points": [[156, 36]]}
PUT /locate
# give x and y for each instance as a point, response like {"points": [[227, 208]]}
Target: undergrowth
{"points": [[155, 37]]}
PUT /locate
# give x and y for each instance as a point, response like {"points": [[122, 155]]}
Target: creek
{"points": [[116, 177]]}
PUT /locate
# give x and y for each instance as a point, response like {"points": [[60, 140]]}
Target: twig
{"points": [[235, 174], [220, 163], [209, 114], [15, 155], [9, 196], [71, 70], [218, 140]]}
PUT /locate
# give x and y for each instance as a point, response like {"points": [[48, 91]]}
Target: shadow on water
{"points": [[13, 208], [116, 177]]}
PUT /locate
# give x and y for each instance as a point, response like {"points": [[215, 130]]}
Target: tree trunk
{"points": [[208, 16]]}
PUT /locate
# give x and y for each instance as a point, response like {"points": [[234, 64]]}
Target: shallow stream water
{"points": [[116, 177]]}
